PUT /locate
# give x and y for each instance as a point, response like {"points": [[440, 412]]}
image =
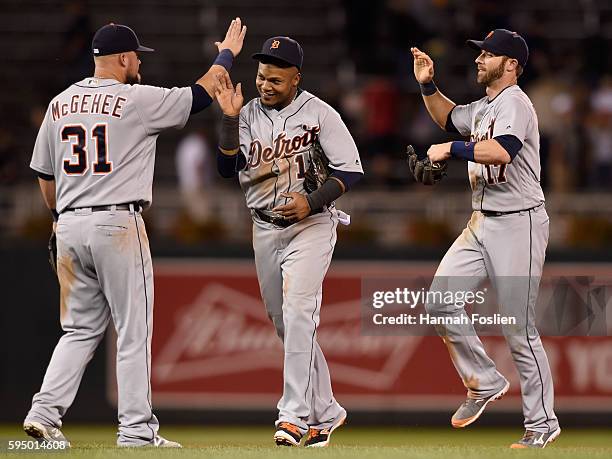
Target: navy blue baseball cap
{"points": [[503, 43], [114, 39], [282, 49]]}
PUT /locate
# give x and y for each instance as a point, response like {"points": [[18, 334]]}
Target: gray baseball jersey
{"points": [[292, 262], [275, 142], [508, 249], [508, 187], [98, 140]]}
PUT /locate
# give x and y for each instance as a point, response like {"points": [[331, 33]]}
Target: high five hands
{"points": [[234, 37]]}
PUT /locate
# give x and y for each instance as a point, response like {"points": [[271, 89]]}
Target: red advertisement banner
{"points": [[214, 347]]}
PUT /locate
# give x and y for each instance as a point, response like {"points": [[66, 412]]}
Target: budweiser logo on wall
{"points": [[214, 347], [226, 332]]}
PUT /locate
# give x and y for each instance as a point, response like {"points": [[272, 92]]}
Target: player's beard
{"points": [[493, 75], [133, 79]]}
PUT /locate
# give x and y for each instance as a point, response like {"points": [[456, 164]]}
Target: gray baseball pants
{"points": [[291, 264], [510, 251], [105, 272]]}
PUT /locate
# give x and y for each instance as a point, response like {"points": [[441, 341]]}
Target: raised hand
{"points": [[234, 37], [423, 66], [230, 100]]}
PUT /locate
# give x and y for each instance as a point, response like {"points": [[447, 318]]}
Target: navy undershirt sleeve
{"points": [[347, 178], [510, 143], [201, 99], [45, 177], [450, 127], [229, 165]]}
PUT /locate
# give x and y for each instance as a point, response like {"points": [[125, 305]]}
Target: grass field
{"points": [[347, 442]]}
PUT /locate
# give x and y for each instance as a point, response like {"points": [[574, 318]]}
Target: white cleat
{"points": [[46, 434], [161, 442]]}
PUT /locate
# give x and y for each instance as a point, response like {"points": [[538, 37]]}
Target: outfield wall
{"points": [[216, 357], [214, 346]]}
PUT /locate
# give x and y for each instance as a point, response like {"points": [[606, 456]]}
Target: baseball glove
{"points": [[318, 169], [424, 170], [53, 252]]}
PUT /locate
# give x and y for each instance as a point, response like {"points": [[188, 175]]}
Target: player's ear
{"points": [[123, 60], [296, 79], [511, 65]]}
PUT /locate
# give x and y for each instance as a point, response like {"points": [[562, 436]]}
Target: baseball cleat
{"points": [[45, 434], [319, 438], [472, 408], [533, 439], [287, 435], [160, 442]]}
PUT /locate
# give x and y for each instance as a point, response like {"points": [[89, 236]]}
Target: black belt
{"points": [[490, 213], [277, 220], [137, 207]]}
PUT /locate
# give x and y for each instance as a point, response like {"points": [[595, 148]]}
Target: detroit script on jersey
{"points": [[282, 147], [275, 144], [508, 187]]}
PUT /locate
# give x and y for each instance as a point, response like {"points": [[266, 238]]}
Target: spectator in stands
{"points": [[381, 108], [75, 47], [195, 166], [599, 130], [9, 160]]}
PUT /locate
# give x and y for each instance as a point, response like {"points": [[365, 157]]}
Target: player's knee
{"points": [[277, 320], [519, 343], [440, 298], [434, 306]]}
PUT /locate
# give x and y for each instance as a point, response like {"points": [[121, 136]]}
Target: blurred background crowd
{"points": [[357, 58]]}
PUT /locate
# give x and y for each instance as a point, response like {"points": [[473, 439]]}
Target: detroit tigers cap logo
{"points": [[275, 44]]}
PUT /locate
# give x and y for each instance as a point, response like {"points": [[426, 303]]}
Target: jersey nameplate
{"points": [[90, 104]]}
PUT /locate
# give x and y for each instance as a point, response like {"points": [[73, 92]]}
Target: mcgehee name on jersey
{"points": [[92, 104]]}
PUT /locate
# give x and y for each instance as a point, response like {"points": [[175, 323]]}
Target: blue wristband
{"points": [[428, 89], [225, 59], [463, 150]]}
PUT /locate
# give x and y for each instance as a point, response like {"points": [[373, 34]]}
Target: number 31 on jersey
{"points": [[76, 135]]}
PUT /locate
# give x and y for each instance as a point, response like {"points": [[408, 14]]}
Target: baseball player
{"points": [[94, 156], [268, 143], [506, 237]]}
